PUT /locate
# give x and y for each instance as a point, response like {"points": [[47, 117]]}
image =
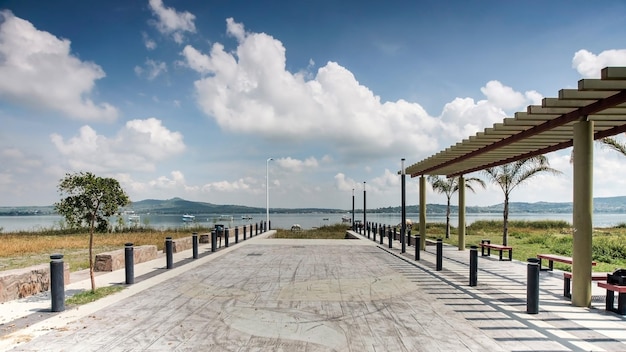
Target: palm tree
{"points": [[614, 144], [450, 186], [509, 176]]}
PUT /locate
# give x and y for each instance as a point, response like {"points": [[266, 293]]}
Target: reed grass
{"points": [[22, 249]]}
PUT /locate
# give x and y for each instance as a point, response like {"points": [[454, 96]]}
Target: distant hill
{"points": [[179, 206], [182, 206], [613, 205]]}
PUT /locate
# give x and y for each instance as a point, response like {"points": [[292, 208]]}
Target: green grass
{"points": [[529, 238], [90, 296], [332, 232]]}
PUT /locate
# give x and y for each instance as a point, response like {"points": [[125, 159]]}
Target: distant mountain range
{"points": [[182, 206]]}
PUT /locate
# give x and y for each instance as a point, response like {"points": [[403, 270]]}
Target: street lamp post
{"points": [[267, 191], [364, 211]]}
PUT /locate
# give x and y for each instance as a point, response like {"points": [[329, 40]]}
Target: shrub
{"points": [[561, 245], [608, 250]]}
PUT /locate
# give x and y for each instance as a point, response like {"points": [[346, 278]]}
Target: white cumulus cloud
{"points": [[171, 22], [589, 64], [38, 70], [295, 165], [138, 146], [250, 91]]}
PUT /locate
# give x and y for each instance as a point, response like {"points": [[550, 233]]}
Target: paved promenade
{"points": [[268, 294]]}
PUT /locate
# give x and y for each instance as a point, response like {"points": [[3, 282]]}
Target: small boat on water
{"points": [[188, 218], [134, 219], [346, 218], [246, 217]]}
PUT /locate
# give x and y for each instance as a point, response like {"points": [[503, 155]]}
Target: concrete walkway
{"points": [[316, 295]]}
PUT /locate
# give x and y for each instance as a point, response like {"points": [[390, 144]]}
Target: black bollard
{"points": [[237, 234], [390, 236], [439, 265], [57, 283], [256, 228], [194, 244], [418, 250], [409, 237], [129, 263], [244, 233], [169, 252], [226, 235], [374, 232], [532, 290], [368, 230], [382, 233], [213, 240], [250, 230], [473, 274], [269, 225]]}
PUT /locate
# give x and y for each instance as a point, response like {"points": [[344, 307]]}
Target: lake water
{"points": [[307, 221]]}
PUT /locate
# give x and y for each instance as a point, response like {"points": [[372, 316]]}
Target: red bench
{"points": [[610, 297], [551, 258], [567, 281], [486, 244]]}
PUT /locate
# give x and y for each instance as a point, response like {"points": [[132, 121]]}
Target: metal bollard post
{"points": [[269, 225], [369, 227], [409, 237], [226, 235], [244, 233], [129, 263], [439, 265], [194, 244], [382, 233], [213, 240], [374, 232], [418, 250], [236, 234], [389, 235], [169, 252], [532, 290], [57, 283], [473, 274], [256, 228], [403, 240]]}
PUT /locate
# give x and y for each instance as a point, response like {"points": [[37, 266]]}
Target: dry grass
{"points": [[18, 250]]}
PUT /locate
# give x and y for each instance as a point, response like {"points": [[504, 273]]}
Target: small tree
{"points": [[449, 186], [509, 176], [90, 201]]}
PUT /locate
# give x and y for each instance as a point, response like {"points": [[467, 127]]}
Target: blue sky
{"points": [[181, 98]]}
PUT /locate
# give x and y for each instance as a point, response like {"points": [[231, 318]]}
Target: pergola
{"points": [[577, 117]]}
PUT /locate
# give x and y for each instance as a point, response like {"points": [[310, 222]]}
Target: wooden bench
{"points": [[486, 244], [551, 258], [567, 281], [610, 297]]}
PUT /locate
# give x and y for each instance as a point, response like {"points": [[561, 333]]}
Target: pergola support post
{"points": [[461, 229], [583, 213]]}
